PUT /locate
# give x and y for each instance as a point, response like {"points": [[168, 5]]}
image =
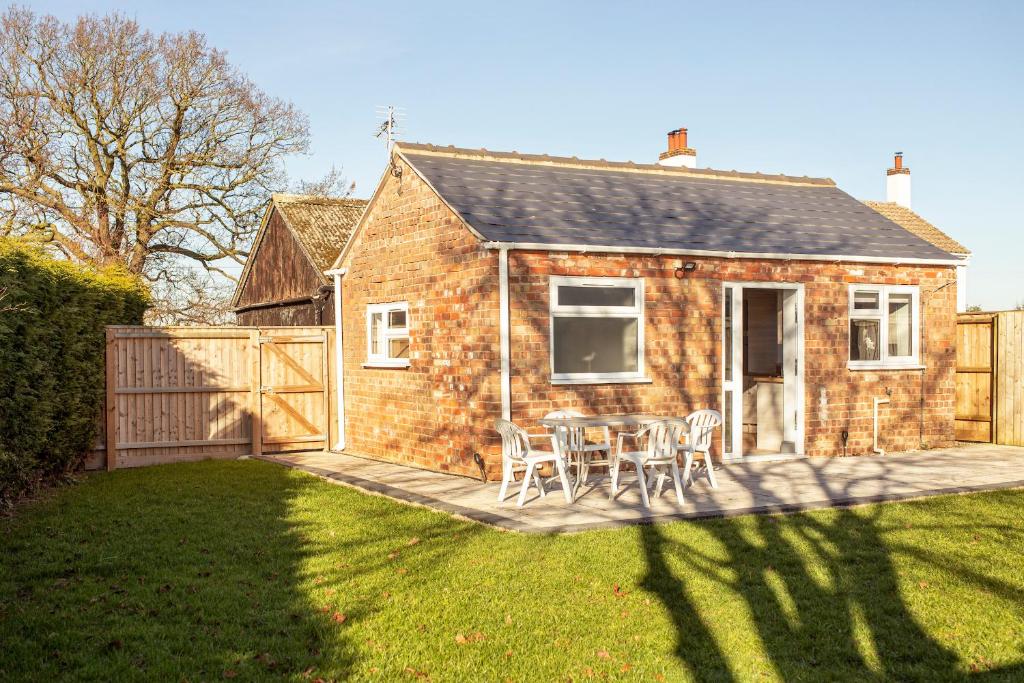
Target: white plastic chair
{"points": [[518, 452], [576, 444], [702, 425], [662, 441]]}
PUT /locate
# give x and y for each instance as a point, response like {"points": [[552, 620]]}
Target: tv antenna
{"points": [[389, 128]]}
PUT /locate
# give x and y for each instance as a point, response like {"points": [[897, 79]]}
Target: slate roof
{"points": [[919, 226], [538, 199], [321, 224]]}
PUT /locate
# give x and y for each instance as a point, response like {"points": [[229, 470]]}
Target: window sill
{"points": [[605, 380], [389, 364], [885, 366]]}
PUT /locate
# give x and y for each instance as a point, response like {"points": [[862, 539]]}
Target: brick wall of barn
{"points": [[439, 411]]}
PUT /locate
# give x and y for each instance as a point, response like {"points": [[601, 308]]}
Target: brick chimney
{"points": [[897, 182], [678, 153]]}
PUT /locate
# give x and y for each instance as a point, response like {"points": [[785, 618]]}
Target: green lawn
{"points": [[249, 570]]}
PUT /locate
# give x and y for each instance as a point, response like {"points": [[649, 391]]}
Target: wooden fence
{"points": [[990, 377], [189, 393]]}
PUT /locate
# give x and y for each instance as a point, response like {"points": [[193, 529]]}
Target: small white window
{"points": [[387, 334], [884, 326], [597, 329]]}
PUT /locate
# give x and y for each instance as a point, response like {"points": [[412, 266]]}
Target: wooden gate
{"points": [[990, 377], [294, 397], [975, 357], [188, 393]]}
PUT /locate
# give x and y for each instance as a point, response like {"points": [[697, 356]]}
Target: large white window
{"points": [[597, 329], [387, 334], [884, 326]]}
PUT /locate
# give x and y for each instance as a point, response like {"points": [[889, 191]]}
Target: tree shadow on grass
{"points": [[168, 572], [823, 592]]}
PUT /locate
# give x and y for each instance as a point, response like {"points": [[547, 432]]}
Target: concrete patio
{"points": [[744, 488]]}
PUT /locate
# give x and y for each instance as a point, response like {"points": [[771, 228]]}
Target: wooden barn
{"points": [[283, 282]]}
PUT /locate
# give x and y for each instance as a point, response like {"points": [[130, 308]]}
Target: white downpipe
{"points": [[339, 357], [504, 335], [875, 448]]}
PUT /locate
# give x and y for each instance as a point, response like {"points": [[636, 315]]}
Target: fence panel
{"points": [[974, 366]]}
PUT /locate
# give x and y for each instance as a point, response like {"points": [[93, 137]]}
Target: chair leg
{"points": [[677, 480], [687, 467], [613, 472], [659, 482], [527, 478], [506, 477], [711, 470], [566, 489], [643, 486]]}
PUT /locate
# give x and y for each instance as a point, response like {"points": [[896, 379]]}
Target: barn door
{"points": [[294, 399]]}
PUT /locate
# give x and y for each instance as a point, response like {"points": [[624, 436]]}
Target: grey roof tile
{"points": [[550, 201]]}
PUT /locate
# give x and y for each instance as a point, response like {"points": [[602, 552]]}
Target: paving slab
{"points": [[744, 487]]}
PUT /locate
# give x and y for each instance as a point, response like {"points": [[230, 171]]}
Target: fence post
{"points": [[110, 368], [255, 400]]}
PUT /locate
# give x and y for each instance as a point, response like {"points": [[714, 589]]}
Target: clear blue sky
{"points": [[814, 88]]}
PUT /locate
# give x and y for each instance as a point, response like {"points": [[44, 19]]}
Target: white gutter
{"points": [[504, 335], [339, 357], [597, 249]]}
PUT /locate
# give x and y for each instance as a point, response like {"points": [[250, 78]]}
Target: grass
{"points": [[249, 570]]}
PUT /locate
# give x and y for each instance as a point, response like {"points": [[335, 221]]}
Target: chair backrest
{"points": [[702, 425], [663, 438], [571, 438], [515, 444]]}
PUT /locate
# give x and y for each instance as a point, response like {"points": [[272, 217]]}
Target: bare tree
{"points": [[118, 145]]}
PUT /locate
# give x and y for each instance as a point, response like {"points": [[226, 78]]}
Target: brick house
{"points": [[283, 282], [484, 284]]}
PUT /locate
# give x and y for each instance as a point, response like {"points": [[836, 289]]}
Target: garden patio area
{"points": [[744, 487], [250, 570]]}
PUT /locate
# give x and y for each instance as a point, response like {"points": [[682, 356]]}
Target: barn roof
{"points": [[551, 201], [321, 226], [919, 226]]}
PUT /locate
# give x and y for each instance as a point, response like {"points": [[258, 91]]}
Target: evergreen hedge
{"points": [[52, 344]]}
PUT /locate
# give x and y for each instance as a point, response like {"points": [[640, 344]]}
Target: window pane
{"points": [[596, 296], [865, 301], [727, 337], [596, 345], [901, 330], [727, 422], [396, 319], [864, 340], [375, 324], [398, 347]]}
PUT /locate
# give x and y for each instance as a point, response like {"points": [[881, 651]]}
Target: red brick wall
{"points": [[683, 346], [439, 411]]}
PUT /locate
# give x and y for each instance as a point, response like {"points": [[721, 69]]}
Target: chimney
{"points": [[678, 153], [897, 182]]}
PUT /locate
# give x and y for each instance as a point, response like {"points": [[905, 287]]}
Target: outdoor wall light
{"points": [[686, 269]]}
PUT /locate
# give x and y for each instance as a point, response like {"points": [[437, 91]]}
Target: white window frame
{"points": [[386, 334], [886, 361], [558, 311]]}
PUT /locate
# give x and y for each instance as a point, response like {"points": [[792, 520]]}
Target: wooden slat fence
{"points": [[190, 393], [990, 377]]}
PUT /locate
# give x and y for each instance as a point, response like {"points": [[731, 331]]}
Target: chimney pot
{"points": [[678, 153], [897, 182]]}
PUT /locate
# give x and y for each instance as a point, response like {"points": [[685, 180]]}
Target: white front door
{"points": [[732, 371], [732, 367]]}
